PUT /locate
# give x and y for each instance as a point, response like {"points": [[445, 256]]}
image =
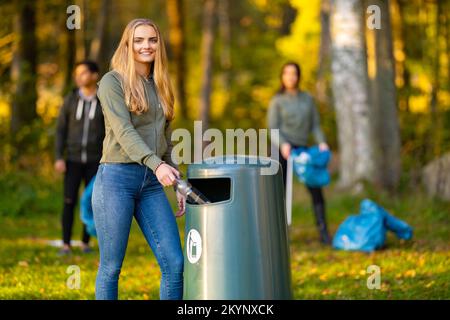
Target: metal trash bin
{"points": [[236, 246]]}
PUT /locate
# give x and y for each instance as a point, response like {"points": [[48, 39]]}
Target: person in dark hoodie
{"points": [[79, 137]]}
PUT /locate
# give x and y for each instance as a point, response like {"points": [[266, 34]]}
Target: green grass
{"points": [[417, 269]]}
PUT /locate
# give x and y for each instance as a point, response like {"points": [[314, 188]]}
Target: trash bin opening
{"points": [[214, 189]]}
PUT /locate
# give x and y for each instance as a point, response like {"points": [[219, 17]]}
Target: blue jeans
{"points": [[122, 191]]}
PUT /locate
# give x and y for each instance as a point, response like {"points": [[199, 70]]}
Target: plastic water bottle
{"points": [[191, 194]]}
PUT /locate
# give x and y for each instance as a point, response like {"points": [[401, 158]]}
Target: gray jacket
{"points": [[133, 138], [296, 117]]}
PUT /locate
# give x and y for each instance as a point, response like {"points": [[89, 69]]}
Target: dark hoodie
{"points": [[80, 129]]}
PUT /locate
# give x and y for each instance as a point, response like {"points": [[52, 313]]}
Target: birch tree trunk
{"points": [[350, 91]]}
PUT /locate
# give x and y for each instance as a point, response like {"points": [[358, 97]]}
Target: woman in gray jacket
{"points": [[137, 102], [294, 113]]}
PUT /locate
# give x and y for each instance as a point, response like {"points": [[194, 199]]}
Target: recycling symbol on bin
{"points": [[194, 246]]}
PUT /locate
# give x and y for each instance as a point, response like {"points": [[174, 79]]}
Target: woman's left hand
{"points": [[323, 146], [181, 201]]}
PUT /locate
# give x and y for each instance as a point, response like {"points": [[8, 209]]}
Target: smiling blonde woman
{"points": [[137, 101]]}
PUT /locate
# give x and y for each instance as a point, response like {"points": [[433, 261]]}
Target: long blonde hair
{"points": [[133, 87]]}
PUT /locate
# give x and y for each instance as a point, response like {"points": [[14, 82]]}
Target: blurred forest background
{"points": [[383, 94]]}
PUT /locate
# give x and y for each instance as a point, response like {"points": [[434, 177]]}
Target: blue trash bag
{"points": [[399, 227], [367, 231], [310, 166], [86, 212]]}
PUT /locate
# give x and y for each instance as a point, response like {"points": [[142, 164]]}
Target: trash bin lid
{"points": [[227, 164]]}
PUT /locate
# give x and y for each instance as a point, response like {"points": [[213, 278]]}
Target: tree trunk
{"points": [[175, 14], [206, 58], [350, 91], [384, 102], [99, 36], [24, 69], [436, 62], [80, 35], [225, 34], [322, 84], [435, 83], [288, 17], [68, 53]]}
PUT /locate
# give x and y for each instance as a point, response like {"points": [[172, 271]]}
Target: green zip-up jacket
{"points": [[296, 117], [145, 138]]}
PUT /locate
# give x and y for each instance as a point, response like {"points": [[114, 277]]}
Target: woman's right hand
{"points": [[166, 174], [285, 150]]}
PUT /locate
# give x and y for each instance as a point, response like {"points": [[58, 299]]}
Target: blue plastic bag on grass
{"points": [[86, 212], [367, 231], [310, 166]]}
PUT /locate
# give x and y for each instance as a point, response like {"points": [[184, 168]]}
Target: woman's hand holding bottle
{"points": [[166, 174]]}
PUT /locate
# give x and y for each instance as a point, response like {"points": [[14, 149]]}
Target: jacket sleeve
{"points": [[61, 130], [167, 157], [116, 112], [274, 119], [316, 130]]}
